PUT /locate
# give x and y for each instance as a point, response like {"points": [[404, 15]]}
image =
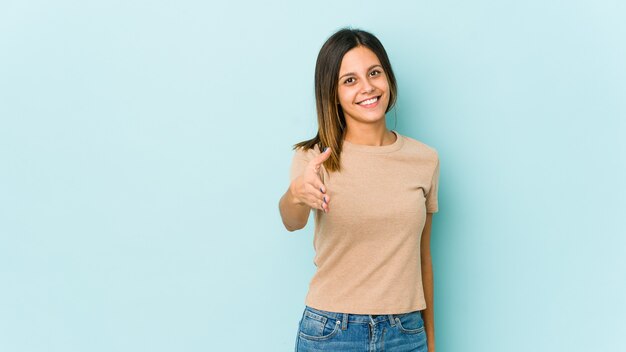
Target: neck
{"points": [[373, 135]]}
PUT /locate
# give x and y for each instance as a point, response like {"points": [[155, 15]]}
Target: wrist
{"points": [[293, 199]]}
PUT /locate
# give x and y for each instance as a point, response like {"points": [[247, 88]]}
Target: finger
{"points": [[321, 186], [325, 207], [325, 202], [318, 204], [318, 160], [326, 198], [319, 195], [318, 198], [315, 180]]}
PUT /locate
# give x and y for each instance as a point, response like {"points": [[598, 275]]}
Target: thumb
{"points": [[318, 160]]}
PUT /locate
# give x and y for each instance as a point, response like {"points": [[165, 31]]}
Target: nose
{"points": [[367, 87]]}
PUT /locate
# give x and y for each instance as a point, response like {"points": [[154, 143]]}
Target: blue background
{"points": [[144, 146]]}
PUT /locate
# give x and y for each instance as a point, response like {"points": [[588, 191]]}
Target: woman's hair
{"points": [[330, 119]]}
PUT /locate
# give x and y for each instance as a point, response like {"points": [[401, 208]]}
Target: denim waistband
{"points": [[346, 318]]}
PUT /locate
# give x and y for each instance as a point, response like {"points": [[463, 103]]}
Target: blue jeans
{"points": [[320, 330]]}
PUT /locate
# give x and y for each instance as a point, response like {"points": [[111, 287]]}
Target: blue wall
{"points": [[144, 146]]}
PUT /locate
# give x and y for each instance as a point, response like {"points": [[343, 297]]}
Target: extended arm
{"points": [[305, 192], [293, 212]]}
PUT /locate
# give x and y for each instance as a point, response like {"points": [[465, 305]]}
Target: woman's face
{"points": [[363, 88]]}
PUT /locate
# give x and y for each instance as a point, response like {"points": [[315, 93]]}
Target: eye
{"points": [[349, 80], [375, 73]]}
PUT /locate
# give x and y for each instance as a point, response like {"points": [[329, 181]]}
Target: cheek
{"points": [[385, 86], [386, 97], [346, 107], [385, 102], [345, 99]]}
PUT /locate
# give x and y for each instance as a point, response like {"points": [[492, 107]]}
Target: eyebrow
{"points": [[352, 73]]}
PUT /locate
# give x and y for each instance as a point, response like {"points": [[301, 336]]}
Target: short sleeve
{"points": [[299, 162], [432, 205]]}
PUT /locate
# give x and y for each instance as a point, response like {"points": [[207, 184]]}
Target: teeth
{"points": [[369, 101]]}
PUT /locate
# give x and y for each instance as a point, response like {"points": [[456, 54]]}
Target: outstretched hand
{"points": [[308, 188]]}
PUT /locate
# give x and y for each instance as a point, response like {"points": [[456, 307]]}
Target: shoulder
{"points": [[413, 145]]}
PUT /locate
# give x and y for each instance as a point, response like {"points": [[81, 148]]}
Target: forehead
{"points": [[358, 59]]}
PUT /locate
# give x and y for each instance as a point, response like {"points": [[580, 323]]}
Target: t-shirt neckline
{"points": [[375, 148]]}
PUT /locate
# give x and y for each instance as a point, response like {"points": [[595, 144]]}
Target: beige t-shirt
{"points": [[367, 247]]}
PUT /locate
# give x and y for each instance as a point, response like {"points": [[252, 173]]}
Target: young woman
{"points": [[373, 192]]}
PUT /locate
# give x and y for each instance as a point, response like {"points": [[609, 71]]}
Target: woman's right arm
{"points": [[294, 212], [305, 192]]}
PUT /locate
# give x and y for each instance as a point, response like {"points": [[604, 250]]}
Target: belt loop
{"points": [[392, 321], [344, 323]]}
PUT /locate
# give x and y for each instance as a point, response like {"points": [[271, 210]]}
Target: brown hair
{"points": [[330, 119]]}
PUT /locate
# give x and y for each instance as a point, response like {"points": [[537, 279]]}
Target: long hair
{"points": [[330, 118]]}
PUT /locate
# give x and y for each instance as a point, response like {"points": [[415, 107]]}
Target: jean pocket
{"points": [[410, 323], [317, 327]]}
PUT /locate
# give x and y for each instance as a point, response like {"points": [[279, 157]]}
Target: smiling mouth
{"points": [[369, 101]]}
